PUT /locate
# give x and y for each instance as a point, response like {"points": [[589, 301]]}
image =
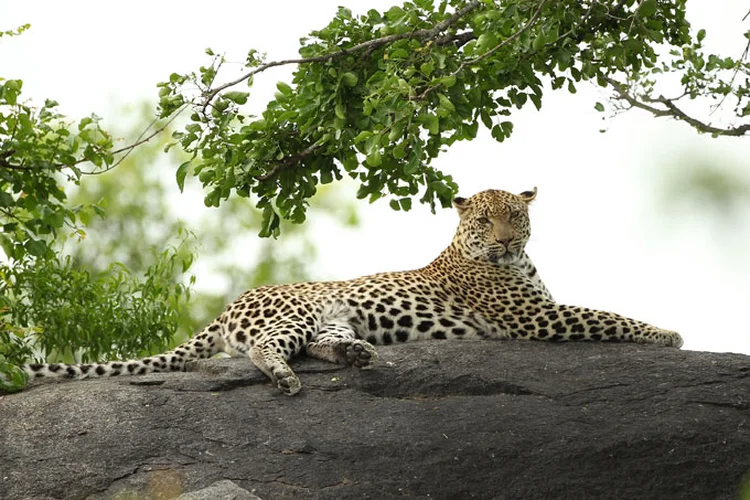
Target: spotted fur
{"points": [[483, 286]]}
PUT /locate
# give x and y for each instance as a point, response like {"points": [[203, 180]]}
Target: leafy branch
{"points": [[702, 77], [669, 109], [420, 34]]}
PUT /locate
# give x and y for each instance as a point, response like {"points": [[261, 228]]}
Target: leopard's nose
{"points": [[504, 241]]}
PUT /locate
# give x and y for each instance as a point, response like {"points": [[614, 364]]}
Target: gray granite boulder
{"points": [[485, 420]]}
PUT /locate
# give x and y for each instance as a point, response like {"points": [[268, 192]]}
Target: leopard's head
{"points": [[494, 226]]}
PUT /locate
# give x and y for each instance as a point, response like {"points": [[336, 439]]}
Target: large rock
{"points": [[431, 420]]}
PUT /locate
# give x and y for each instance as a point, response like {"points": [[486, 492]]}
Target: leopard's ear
{"points": [[461, 205], [528, 196]]}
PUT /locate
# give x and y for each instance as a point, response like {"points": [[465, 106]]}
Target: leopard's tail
{"points": [[204, 345]]}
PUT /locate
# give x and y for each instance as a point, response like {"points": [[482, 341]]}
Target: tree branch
{"points": [[4, 160], [287, 162], [671, 110], [458, 39], [424, 34]]}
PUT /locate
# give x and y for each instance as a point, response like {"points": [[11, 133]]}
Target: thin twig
{"points": [[734, 76], [128, 149], [370, 44]]}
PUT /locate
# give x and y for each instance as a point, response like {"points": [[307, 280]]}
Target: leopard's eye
{"points": [[483, 220]]}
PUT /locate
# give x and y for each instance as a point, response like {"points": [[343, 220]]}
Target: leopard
{"points": [[483, 286]]}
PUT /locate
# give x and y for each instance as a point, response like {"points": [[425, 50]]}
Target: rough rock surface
{"points": [[432, 420], [220, 490]]}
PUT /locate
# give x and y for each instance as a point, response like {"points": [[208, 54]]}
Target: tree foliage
{"points": [[49, 308], [378, 96]]}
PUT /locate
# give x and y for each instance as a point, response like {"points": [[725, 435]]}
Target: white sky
{"points": [[601, 237]]}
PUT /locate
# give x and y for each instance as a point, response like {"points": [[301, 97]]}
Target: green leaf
{"points": [[486, 41], [430, 122], [182, 171], [350, 162], [6, 200], [349, 79], [213, 198], [270, 224], [394, 14], [398, 54], [647, 8], [236, 97], [340, 110], [446, 103], [394, 205], [412, 165], [399, 151], [37, 248], [599, 107], [539, 42], [326, 176], [497, 133], [507, 128], [397, 130], [374, 159], [365, 134], [486, 119], [449, 81], [284, 88], [536, 100], [84, 123], [427, 68]]}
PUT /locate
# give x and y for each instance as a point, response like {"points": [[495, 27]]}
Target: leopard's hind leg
{"points": [[336, 343]]}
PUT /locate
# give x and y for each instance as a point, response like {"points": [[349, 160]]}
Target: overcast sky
{"points": [[602, 236]]}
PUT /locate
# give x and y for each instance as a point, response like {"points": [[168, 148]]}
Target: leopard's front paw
{"points": [[672, 339], [667, 338], [289, 385], [361, 354]]}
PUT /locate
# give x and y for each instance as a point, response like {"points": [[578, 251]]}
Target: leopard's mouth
{"points": [[498, 256]]}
